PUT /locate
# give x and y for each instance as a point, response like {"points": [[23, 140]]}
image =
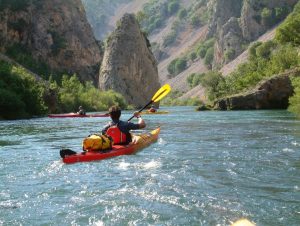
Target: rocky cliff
{"points": [[54, 32], [235, 23], [128, 65], [273, 93]]}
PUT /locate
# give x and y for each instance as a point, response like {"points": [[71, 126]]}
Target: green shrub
{"points": [[180, 65], [23, 56], [267, 16], [195, 21], [285, 57], [59, 42], [171, 67], [294, 101], [155, 12], [281, 13], [21, 95], [252, 50], [176, 66], [140, 16], [72, 94], [169, 39], [201, 52], [289, 30], [264, 50], [272, 16], [202, 47], [211, 81], [173, 7], [194, 79], [192, 56], [229, 54], [182, 13], [209, 56]]}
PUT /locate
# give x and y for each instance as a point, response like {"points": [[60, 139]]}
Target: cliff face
{"points": [[128, 65], [257, 15], [235, 23], [271, 94], [55, 32], [223, 10]]}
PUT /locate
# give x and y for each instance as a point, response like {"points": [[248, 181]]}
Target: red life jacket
{"points": [[117, 135]]}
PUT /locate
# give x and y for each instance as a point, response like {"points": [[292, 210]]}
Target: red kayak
{"points": [[75, 115], [140, 141]]}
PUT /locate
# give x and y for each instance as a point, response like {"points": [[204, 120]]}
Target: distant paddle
{"points": [[162, 92]]}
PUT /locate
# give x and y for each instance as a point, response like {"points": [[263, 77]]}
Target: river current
{"points": [[207, 168]]}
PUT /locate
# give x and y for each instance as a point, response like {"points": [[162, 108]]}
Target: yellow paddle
{"points": [[162, 92]]}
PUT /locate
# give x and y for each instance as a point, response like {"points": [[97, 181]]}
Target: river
{"points": [[207, 168]]}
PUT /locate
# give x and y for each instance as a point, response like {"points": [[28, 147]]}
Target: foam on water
{"points": [[207, 168], [152, 165]]}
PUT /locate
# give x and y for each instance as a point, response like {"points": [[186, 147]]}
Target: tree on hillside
{"points": [[289, 30], [294, 101]]}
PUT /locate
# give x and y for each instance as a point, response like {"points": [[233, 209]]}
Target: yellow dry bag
{"points": [[97, 142]]}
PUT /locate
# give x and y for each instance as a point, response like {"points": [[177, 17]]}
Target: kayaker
{"points": [[81, 111], [120, 130], [152, 109]]}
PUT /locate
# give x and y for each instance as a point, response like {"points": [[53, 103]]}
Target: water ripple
{"points": [[207, 168]]}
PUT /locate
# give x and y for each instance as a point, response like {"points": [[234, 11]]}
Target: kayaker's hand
{"points": [[137, 114]]}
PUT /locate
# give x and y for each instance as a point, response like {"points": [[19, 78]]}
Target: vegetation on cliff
{"points": [[294, 101], [265, 60], [20, 95], [23, 96], [23, 56], [151, 18]]}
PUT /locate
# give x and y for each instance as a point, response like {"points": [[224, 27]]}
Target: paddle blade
{"points": [[162, 92], [243, 222]]}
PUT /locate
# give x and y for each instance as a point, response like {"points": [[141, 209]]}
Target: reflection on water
{"points": [[207, 168]]}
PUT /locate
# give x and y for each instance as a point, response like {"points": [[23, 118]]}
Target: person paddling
{"points": [[81, 111], [120, 130], [152, 109]]}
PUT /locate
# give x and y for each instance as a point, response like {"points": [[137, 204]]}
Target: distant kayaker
{"points": [[120, 130], [152, 109], [81, 111]]}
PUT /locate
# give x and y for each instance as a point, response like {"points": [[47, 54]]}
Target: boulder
{"points": [[273, 93]]}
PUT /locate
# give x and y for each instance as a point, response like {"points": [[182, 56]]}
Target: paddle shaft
{"points": [[150, 102], [154, 99]]}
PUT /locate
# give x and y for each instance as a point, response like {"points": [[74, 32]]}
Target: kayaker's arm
{"points": [[141, 121]]}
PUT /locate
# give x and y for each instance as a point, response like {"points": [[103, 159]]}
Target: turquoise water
{"points": [[207, 168]]}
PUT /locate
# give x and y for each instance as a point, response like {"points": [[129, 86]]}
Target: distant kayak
{"points": [[141, 141], [75, 115], [157, 112]]}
